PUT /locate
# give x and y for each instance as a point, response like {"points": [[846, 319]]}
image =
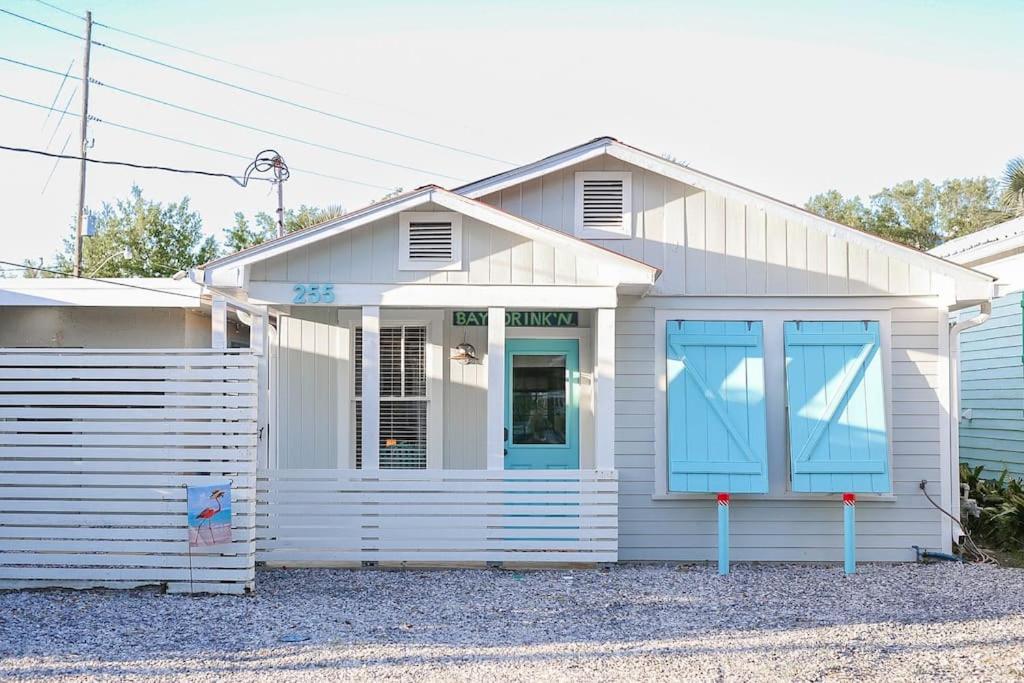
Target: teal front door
{"points": [[542, 414]]}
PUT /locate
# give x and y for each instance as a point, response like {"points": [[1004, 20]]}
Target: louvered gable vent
{"points": [[430, 241], [603, 200]]}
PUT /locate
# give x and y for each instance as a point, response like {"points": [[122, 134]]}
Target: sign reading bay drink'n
{"points": [[519, 318]]}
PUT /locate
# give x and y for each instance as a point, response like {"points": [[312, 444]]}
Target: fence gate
{"points": [[96, 449]]}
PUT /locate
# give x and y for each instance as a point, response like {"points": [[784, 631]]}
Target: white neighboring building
{"points": [[998, 251], [114, 313]]}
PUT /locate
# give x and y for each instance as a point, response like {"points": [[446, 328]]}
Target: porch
{"points": [[439, 436]]}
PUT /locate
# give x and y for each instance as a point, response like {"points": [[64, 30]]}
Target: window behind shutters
{"points": [[403, 396], [836, 407], [717, 437]]}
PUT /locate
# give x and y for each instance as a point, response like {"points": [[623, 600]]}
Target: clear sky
{"points": [[788, 97]]}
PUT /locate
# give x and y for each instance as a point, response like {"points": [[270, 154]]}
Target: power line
{"points": [[147, 167], [279, 100], [63, 113], [197, 145], [228, 62], [57, 94], [21, 266], [232, 122]]}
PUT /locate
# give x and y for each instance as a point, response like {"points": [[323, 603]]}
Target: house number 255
{"points": [[313, 294]]}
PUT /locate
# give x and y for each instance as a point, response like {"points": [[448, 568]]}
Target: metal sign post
{"points": [[723, 534], [849, 533]]}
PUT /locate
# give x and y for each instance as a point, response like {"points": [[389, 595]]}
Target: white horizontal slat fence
{"points": [[307, 517], [96, 449]]}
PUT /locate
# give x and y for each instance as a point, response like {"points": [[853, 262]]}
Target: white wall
{"points": [[369, 254], [109, 327], [709, 245], [784, 526]]}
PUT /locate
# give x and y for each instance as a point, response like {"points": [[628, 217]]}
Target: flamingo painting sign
{"points": [[209, 514]]}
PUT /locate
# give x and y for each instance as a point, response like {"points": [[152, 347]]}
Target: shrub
{"points": [[1000, 524]]}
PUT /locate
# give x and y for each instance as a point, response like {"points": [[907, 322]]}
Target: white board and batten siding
{"points": [[783, 525], [992, 390], [707, 244], [368, 254], [96, 449]]}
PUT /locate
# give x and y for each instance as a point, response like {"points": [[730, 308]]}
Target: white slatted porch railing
{"points": [[309, 517], [96, 448]]}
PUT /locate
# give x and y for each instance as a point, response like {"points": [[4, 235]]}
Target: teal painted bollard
{"points": [[849, 533], [723, 533]]}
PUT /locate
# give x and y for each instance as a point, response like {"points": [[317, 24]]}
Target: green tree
{"points": [[247, 233], [137, 237], [848, 211], [1012, 191], [919, 214]]}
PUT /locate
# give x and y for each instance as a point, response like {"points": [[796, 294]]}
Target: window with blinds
{"points": [[403, 397]]}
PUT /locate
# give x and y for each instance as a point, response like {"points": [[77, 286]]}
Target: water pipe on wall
{"points": [[984, 313]]}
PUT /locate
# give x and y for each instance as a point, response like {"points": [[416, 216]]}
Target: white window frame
{"points": [[407, 217], [772, 315], [625, 231], [434, 322]]}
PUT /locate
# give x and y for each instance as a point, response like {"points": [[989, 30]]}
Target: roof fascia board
{"points": [[534, 170], [682, 174], [987, 251]]}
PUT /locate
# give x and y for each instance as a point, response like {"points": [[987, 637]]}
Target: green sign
{"points": [[519, 318]]}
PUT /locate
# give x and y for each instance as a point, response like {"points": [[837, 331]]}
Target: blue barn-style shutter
{"points": [[836, 402], [716, 417]]}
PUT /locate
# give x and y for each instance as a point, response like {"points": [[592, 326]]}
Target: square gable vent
{"points": [[429, 240], [603, 204]]}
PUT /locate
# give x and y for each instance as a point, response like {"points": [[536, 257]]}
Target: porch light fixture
{"points": [[465, 353]]}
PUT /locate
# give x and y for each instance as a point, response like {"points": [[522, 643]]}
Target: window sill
{"points": [[820, 497]]}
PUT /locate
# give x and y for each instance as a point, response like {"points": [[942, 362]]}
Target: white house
{"points": [[615, 339]]}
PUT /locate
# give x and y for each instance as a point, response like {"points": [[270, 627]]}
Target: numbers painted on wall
{"points": [[313, 293]]}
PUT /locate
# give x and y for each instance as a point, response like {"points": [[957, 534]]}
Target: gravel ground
{"points": [[772, 622]]}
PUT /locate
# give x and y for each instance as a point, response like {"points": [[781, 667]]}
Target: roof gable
{"points": [[971, 284], [619, 269]]}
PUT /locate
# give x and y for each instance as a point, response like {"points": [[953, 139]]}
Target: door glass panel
{"points": [[538, 399]]}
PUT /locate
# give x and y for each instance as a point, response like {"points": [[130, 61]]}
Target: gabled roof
{"points": [[632, 270], [690, 176], [983, 244]]}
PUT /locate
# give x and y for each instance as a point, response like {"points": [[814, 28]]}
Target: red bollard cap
{"points": [[849, 498], [723, 498]]}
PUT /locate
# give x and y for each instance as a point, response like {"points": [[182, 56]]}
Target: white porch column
{"points": [[604, 390], [496, 388], [259, 342], [371, 388], [219, 322]]}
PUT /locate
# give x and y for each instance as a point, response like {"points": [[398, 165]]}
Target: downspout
{"points": [[984, 313]]}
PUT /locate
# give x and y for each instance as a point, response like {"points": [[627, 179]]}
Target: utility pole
{"points": [[84, 144], [278, 164]]}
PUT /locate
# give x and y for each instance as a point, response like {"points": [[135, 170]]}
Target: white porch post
{"points": [[219, 322], [371, 388], [496, 388], [604, 390], [260, 344]]}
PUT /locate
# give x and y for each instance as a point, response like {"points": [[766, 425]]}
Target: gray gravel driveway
{"points": [[773, 622]]}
